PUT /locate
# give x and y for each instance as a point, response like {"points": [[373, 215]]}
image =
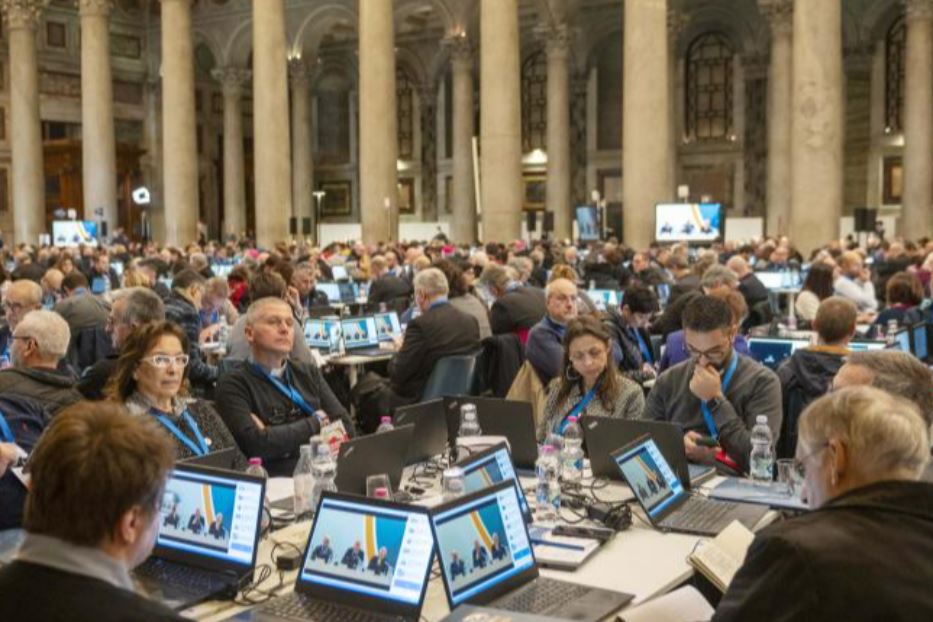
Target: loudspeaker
{"points": [[865, 218], [548, 221], [293, 226], [305, 226], [103, 228], [531, 221]]}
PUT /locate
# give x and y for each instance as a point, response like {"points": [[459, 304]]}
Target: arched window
{"points": [[894, 77], [404, 92], [534, 102], [709, 88]]}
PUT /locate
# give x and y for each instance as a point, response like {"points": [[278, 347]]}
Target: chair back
{"points": [[452, 375]]}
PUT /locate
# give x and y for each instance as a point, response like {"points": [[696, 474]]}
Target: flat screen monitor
{"points": [[688, 222], [74, 232], [588, 223]]}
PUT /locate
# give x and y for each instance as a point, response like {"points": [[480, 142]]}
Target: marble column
{"points": [[302, 161], [500, 121], [272, 151], [179, 143], [817, 128], [646, 128], [98, 144], [876, 127], [558, 130], [232, 80], [378, 122], [780, 15], [463, 220], [917, 220], [21, 17], [427, 105]]}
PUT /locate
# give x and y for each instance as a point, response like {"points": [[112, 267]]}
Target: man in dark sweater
{"points": [[84, 537], [183, 307], [716, 393], [517, 307], [273, 405], [386, 287]]}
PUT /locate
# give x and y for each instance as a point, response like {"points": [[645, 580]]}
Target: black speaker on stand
{"points": [[531, 223], [293, 226], [305, 226]]}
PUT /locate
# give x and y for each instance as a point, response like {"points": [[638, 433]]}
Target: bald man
{"points": [[545, 350], [22, 296], [854, 282]]}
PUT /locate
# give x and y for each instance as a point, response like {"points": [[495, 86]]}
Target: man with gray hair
{"points": [[132, 307], [863, 551], [517, 308], [898, 373], [40, 342], [22, 296]]}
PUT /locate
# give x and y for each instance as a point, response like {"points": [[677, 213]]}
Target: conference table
{"points": [[640, 560]]}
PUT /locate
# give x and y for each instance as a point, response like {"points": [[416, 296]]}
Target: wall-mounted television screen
{"points": [[687, 222]]}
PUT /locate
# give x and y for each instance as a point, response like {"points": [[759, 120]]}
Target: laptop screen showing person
{"points": [[387, 326], [649, 476], [320, 334], [482, 542], [369, 549], [210, 513], [359, 332], [490, 467]]}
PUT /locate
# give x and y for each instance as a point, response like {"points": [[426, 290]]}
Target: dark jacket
{"points": [[180, 310], [83, 310], [502, 358], [632, 358], [45, 594], [752, 289], [545, 349], [805, 375], [520, 308], [95, 378], [244, 391], [441, 331], [52, 389], [671, 319], [387, 288], [113, 281], [862, 556]]}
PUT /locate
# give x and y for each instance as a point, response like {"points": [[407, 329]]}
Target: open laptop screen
{"points": [[771, 352], [605, 298], [339, 273], [331, 290], [902, 340], [863, 346], [649, 476], [482, 542], [490, 467], [369, 549], [387, 326], [921, 347], [320, 334], [212, 515], [359, 332]]}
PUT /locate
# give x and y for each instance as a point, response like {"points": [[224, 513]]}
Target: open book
{"points": [[720, 558]]}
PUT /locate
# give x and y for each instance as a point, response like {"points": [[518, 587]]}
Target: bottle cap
{"points": [[761, 419], [386, 419], [255, 461]]}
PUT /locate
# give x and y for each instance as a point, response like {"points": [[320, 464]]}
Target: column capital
{"points": [[556, 39], [95, 8], [676, 23], [461, 52], [780, 14], [231, 79], [299, 75], [22, 14], [919, 9]]}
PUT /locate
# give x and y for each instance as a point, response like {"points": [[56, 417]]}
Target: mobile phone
{"points": [[706, 441]]}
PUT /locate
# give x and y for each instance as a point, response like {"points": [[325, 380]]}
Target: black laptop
{"points": [[513, 419], [430, 436], [486, 558], [371, 455], [366, 559], [491, 466], [603, 435], [208, 536], [668, 505], [220, 459]]}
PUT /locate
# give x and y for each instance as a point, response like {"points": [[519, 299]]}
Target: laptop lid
{"points": [[331, 290], [368, 553], [777, 280], [387, 326], [210, 518], [348, 291], [429, 438], [920, 340], [771, 351], [650, 477], [220, 459], [513, 419], [491, 466], [321, 334], [862, 346], [902, 340], [339, 273], [370, 455], [359, 332], [483, 546], [605, 298]]}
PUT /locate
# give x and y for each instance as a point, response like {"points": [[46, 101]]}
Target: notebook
{"points": [[719, 559]]}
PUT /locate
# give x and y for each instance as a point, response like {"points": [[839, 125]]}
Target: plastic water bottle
{"points": [[324, 470], [304, 483], [761, 461], [547, 490], [469, 423], [255, 468], [571, 454], [385, 425]]}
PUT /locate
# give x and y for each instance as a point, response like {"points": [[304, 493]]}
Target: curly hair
{"points": [[140, 341]]}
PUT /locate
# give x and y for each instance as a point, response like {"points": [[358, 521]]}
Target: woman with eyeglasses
{"points": [[591, 384], [150, 380]]}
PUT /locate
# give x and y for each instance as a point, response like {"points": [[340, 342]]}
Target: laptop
{"points": [[331, 290], [778, 280], [339, 273], [662, 496], [349, 292], [771, 351], [387, 326], [486, 558], [430, 436], [902, 340], [366, 559], [221, 459], [603, 435], [360, 337], [370, 455], [513, 419], [605, 298], [491, 466], [208, 536], [321, 334], [864, 346], [920, 338]]}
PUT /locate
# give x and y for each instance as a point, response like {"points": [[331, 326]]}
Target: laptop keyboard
{"points": [[701, 515], [300, 607], [542, 596], [186, 578]]}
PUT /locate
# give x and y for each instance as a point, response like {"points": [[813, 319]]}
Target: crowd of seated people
{"points": [[151, 332]]}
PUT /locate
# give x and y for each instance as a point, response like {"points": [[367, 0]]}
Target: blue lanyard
{"points": [[201, 448], [576, 410], [5, 431], [292, 394], [645, 350], [707, 414]]}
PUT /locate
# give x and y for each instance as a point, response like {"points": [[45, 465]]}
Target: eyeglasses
{"points": [[713, 353], [13, 306], [163, 361], [800, 467], [592, 353]]}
